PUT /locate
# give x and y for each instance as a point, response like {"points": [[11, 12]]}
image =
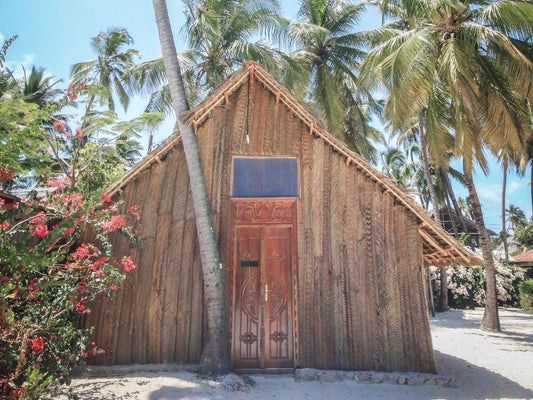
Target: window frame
{"points": [[291, 157]]}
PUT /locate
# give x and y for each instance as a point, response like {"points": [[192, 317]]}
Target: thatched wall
{"points": [[361, 287]]}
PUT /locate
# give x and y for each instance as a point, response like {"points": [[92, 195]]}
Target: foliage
{"points": [[452, 60], [526, 294], [55, 252], [329, 52], [221, 35], [40, 143], [49, 274], [109, 70], [466, 285], [21, 147]]}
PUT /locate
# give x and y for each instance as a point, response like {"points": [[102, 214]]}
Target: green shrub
{"points": [[526, 294]]}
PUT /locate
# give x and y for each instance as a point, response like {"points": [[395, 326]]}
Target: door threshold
{"points": [[264, 371]]}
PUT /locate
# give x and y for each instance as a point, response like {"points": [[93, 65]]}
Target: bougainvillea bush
{"points": [[466, 285], [55, 257]]}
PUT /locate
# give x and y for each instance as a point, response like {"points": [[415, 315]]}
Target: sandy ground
{"points": [[483, 366]]}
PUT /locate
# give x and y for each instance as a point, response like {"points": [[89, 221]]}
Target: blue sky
{"points": [[55, 34]]}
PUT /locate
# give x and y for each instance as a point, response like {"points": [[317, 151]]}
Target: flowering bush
{"points": [[466, 285], [49, 274]]}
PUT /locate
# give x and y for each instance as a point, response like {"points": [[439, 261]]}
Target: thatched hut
{"points": [[323, 257]]}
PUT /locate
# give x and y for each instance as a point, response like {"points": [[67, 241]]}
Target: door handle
{"points": [[266, 292]]}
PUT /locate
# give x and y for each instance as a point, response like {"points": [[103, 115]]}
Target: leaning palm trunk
{"points": [[443, 298], [214, 355], [504, 228], [490, 321]]}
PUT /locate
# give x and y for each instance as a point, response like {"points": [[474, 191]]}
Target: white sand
{"points": [[483, 366]]}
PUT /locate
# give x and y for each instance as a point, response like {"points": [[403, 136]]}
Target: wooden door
{"points": [[263, 265]]}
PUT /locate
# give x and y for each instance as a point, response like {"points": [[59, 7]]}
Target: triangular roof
{"points": [[439, 248]]}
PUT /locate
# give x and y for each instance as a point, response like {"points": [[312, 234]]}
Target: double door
{"points": [[263, 295]]}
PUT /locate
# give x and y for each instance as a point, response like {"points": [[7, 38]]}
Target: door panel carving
{"points": [[263, 300]]}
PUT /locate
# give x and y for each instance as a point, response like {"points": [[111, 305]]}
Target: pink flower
{"points": [[81, 252], [79, 133], [106, 198], [41, 230], [114, 223], [36, 344], [58, 126], [128, 264]]}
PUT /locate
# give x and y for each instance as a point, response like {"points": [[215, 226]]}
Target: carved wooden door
{"points": [[263, 298]]}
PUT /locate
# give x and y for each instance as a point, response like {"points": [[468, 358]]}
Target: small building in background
{"points": [[525, 261]]}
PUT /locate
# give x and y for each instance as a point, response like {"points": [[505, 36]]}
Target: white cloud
{"points": [[15, 65], [2, 38], [489, 192], [516, 185]]}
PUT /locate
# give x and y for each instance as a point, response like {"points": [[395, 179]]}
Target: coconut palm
{"points": [[330, 50], [516, 216], [108, 70], [215, 355], [393, 161], [463, 67], [37, 88], [221, 35]]}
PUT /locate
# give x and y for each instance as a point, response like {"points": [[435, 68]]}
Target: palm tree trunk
{"points": [[447, 196], [504, 229], [531, 185], [490, 321], [215, 354], [443, 298], [427, 169]]}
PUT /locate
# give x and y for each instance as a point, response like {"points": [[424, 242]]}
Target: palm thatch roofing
{"points": [[439, 248]]}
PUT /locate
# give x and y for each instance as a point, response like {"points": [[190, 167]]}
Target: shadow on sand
{"points": [[478, 382]]}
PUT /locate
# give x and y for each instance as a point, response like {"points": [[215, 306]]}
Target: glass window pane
{"points": [[265, 177]]}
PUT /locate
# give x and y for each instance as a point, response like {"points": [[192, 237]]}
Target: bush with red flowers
{"points": [[48, 277]]}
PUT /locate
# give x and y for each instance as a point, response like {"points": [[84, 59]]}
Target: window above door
{"points": [[265, 177]]}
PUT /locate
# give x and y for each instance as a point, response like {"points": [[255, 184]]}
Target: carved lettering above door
{"points": [[259, 212]]}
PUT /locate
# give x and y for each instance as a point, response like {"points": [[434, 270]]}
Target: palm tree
{"points": [[221, 35], [108, 70], [215, 354], [463, 65], [516, 217], [330, 52], [393, 161], [36, 88]]}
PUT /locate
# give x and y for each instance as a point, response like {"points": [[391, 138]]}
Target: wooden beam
{"points": [[431, 241]]}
